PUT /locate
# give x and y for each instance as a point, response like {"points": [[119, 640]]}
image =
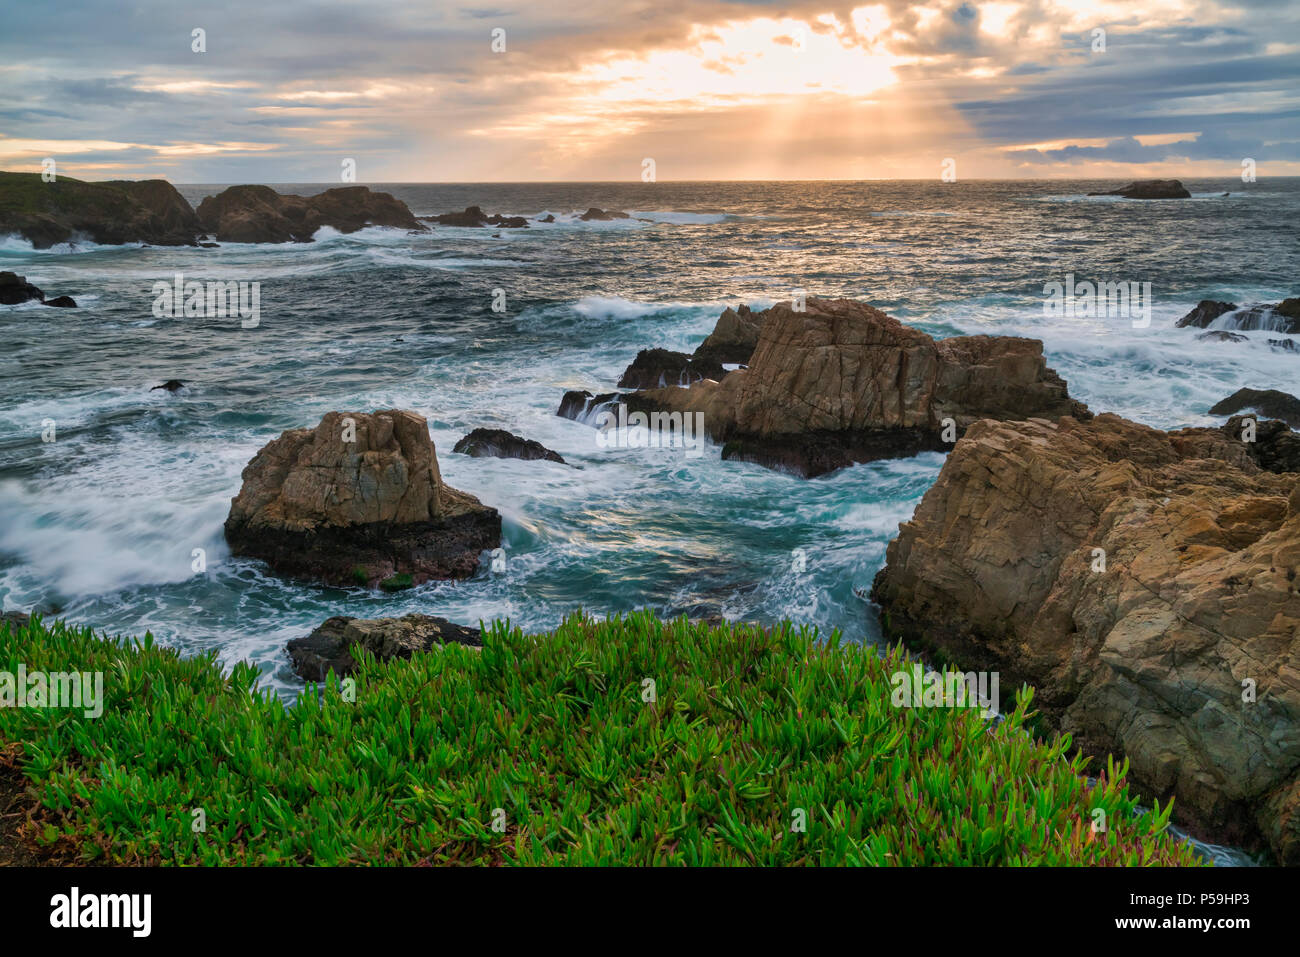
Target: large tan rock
{"points": [[1147, 653], [357, 499], [840, 382]]}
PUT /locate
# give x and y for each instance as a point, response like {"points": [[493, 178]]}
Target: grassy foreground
{"points": [[752, 733]]}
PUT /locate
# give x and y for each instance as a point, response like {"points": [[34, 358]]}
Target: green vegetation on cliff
{"points": [[628, 741]]}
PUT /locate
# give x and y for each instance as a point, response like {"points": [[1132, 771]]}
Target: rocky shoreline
{"points": [[1144, 583]]}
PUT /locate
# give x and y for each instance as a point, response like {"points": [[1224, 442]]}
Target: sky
{"points": [[582, 90]]}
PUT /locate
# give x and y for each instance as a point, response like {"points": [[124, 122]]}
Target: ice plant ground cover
{"points": [[623, 741]]}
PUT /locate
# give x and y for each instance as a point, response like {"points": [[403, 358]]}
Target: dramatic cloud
{"points": [[710, 90]]}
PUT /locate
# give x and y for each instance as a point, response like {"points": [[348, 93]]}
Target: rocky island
{"points": [[359, 500]]}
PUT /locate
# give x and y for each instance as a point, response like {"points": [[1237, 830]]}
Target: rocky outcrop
{"points": [[171, 385], [356, 500], [110, 213], [656, 368], [473, 216], [335, 645], [1269, 403], [15, 289], [1218, 335], [1151, 189], [596, 213], [1283, 316], [841, 382], [498, 443], [1145, 583], [734, 338], [258, 214]]}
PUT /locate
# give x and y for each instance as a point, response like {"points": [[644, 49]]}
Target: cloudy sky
{"points": [[285, 91]]}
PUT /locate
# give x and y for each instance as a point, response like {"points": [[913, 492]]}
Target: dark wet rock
{"points": [[811, 454], [548, 218], [1281, 317], [333, 645], [356, 500], [258, 214], [15, 289], [1270, 403], [210, 245], [1150, 189], [581, 405], [110, 213], [171, 385], [1219, 335], [595, 213], [498, 443], [1274, 448], [1206, 311], [62, 302], [14, 619], [473, 216], [656, 368], [1284, 345]]}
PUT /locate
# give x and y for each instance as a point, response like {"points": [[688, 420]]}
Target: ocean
{"points": [[101, 525]]}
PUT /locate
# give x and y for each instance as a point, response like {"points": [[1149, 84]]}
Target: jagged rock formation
{"points": [[734, 338], [356, 500], [332, 646], [841, 382], [498, 443], [111, 213], [258, 214], [1145, 583]]}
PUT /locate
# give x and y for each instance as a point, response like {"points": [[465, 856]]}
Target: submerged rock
{"points": [[498, 443], [332, 646], [258, 214], [358, 499], [1150, 189], [1269, 403], [841, 382], [656, 368], [63, 302], [1219, 335], [171, 385], [1139, 580]]}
